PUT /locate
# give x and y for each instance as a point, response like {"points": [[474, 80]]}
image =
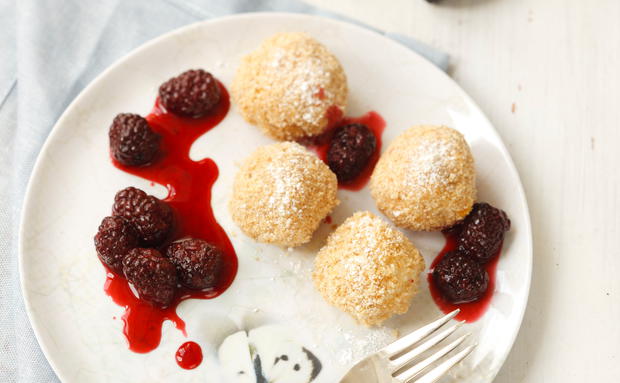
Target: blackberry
{"points": [[198, 262], [351, 148], [114, 239], [482, 232], [152, 275], [152, 218], [460, 279], [193, 93], [132, 141]]}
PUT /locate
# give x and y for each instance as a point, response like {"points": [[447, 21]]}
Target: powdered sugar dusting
{"points": [[368, 269], [308, 78], [425, 180], [289, 180], [282, 193], [360, 267], [288, 84], [431, 163]]}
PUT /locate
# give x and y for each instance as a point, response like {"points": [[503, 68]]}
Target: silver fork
{"points": [[398, 362]]}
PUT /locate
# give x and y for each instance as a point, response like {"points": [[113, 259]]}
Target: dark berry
{"points": [[152, 217], [198, 262], [132, 141], [115, 238], [482, 232], [191, 94], [454, 230], [351, 148], [152, 275], [460, 279]]}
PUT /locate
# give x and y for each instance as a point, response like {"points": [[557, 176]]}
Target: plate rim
{"points": [[28, 196]]}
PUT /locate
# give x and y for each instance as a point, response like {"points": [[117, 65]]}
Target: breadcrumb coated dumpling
{"points": [[368, 269], [288, 84], [281, 194], [426, 179]]}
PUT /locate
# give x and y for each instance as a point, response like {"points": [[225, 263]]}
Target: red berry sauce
{"points": [[189, 355], [189, 193], [472, 311], [372, 120]]}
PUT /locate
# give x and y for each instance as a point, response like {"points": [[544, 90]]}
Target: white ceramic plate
{"points": [[74, 183]]}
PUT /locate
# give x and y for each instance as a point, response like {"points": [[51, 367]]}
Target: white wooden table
{"points": [[546, 73]]}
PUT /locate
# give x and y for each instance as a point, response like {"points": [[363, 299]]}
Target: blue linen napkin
{"points": [[50, 51]]}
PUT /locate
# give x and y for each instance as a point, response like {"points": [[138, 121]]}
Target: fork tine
{"points": [[418, 350], [419, 334], [433, 375], [414, 370]]}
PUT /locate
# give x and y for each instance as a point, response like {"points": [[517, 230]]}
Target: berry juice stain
{"points": [[141, 321], [189, 355], [189, 186], [471, 311], [320, 144]]}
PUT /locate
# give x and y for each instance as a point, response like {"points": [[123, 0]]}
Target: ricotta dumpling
{"points": [[426, 179], [290, 86], [368, 269], [281, 194]]}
